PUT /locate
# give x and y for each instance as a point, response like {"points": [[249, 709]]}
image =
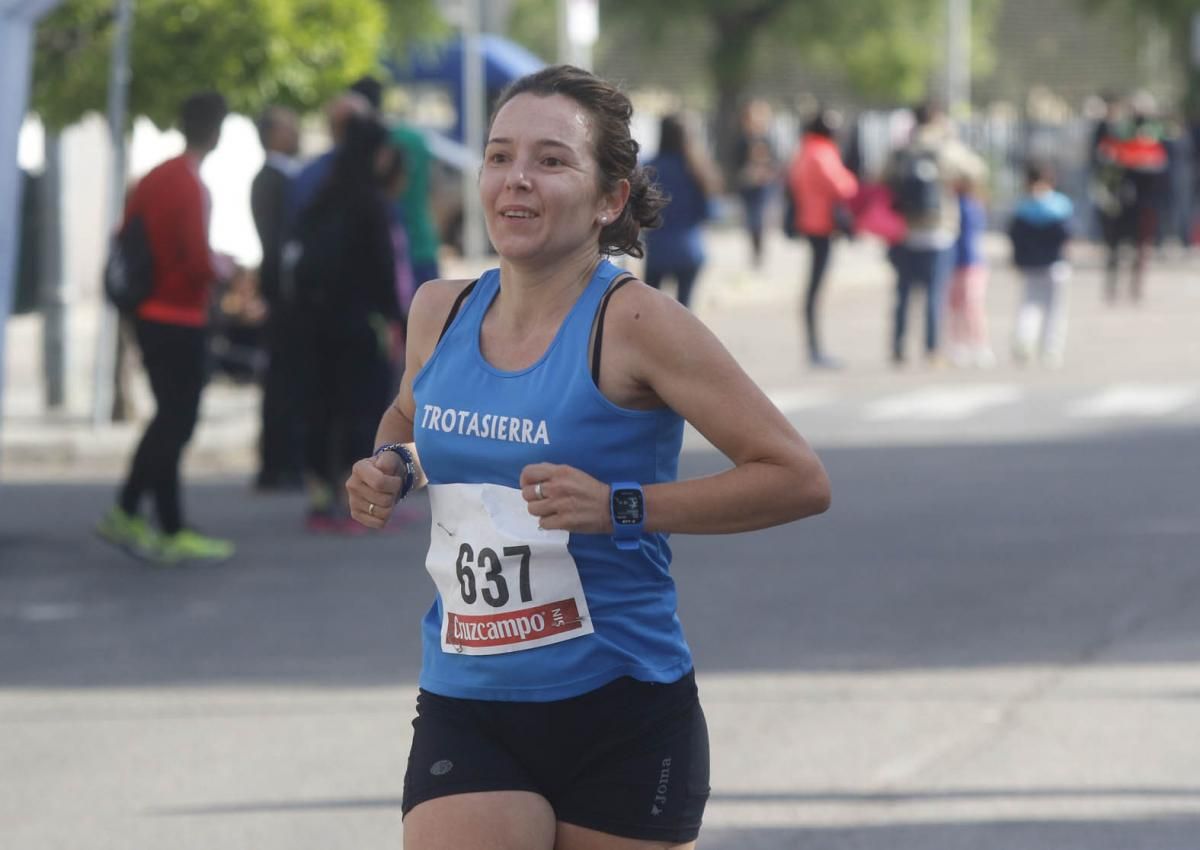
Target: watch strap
{"points": [[626, 535], [410, 464]]}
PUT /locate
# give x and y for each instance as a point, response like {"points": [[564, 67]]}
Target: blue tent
{"points": [[503, 62]]}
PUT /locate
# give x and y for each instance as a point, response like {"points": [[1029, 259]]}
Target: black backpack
{"points": [[917, 188], [129, 271]]}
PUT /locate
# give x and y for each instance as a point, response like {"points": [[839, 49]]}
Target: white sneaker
{"points": [[960, 357], [984, 358]]}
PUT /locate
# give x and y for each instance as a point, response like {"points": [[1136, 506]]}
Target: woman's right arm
{"points": [[377, 480]]}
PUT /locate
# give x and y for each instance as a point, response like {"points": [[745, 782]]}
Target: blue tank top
{"points": [[476, 424]]}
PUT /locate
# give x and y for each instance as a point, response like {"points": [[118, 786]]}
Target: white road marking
{"points": [[947, 403], [793, 400], [1135, 400], [48, 612]]}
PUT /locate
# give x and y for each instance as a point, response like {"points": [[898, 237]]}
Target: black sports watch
{"points": [[628, 506]]}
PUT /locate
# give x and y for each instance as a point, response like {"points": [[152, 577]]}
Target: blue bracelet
{"points": [[410, 465]]}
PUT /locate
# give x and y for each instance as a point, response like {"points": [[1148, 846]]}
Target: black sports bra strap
{"points": [[600, 326], [457, 304]]}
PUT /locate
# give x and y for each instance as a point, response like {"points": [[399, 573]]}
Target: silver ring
{"points": [[370, 508], [537, 490]]}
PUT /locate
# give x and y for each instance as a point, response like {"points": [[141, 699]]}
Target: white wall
{"points": [[86, 156]]}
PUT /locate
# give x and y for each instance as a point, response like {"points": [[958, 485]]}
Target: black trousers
{"points": [[347, 381], [176, 360], [820, 246], [281, 444]]}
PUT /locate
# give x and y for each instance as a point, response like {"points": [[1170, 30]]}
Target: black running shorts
{"points": [[629, 758]]}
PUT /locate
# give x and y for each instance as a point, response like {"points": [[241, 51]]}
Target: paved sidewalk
{"points": [[754, 311]]}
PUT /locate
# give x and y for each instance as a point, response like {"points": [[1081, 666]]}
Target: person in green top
{"points": [[414, 203]]}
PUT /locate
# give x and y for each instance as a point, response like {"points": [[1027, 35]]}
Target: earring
{"points": [[604, 219]]}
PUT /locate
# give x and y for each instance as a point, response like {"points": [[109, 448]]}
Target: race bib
{"points": [[505, 584]]}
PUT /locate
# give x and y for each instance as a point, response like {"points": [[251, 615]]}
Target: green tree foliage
{"points": [[1175, 18], [255, 52], [886, 50], [411, 22], [533, 23]]}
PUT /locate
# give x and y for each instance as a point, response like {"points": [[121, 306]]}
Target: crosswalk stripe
{"points": [[949, 403], [793, 401], [1135, 400]]}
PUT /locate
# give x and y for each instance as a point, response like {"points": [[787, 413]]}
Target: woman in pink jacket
{"points": [[820, 183]]}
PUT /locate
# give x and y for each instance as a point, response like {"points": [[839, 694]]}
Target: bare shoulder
{"points": [[643, 319], [432, 302], [430, 306], [655, 350], [435, 297]]}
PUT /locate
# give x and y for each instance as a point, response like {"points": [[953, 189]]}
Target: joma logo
{"points": [[660, 790]]}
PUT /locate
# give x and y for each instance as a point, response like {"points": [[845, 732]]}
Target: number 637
{"points": [[497, 594]]}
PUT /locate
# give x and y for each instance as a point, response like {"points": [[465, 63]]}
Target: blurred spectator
{"points": [[1135, 154], [821, 187], [1194, 134], [338, 112], [171, 327], [922, 177], [757, 169], [393, 178], [238, 328], [279, 441], [967, 317], [1104, 176], [343, 269], [676, 249], [414, 206], [1040, 229], [1177, 197], [371, 91]]}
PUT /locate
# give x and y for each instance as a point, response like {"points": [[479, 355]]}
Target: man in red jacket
{"points": [[171, 326]]}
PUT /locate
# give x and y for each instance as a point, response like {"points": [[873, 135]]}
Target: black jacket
{"points": [[269, 206]]}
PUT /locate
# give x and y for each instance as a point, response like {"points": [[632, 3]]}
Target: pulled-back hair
{"points": [[613, 147]]}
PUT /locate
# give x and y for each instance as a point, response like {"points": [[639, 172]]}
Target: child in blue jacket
{"points": [[1039, 230]]}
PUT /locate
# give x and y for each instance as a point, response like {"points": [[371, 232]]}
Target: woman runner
{"points": [[543, 404]]}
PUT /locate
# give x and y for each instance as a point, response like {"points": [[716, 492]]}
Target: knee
{"points": [[178, 429]]}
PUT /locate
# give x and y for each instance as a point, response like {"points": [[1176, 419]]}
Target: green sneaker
{"points": [[188, 545], [129, 532]]}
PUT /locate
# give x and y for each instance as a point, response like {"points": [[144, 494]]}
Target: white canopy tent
{"points": [[18, 18]]}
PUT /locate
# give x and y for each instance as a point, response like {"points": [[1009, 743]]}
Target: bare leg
{"points": [[490, 820], [571, 837]]}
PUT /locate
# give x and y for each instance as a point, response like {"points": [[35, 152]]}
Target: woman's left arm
{"points": [[658, 351], [776, 476]]}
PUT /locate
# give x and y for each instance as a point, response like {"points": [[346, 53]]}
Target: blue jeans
{"points": [[754, 200], [927, 267]]}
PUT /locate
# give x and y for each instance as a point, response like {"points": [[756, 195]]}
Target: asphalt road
{"points": [[985, 644]]}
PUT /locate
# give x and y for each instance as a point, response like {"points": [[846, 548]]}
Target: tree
{"points": [[1175, 17], [255, 52], [534, 24], [881, 47]]}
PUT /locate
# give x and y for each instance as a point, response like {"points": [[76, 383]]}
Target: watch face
{"points": [[627, 507]]}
